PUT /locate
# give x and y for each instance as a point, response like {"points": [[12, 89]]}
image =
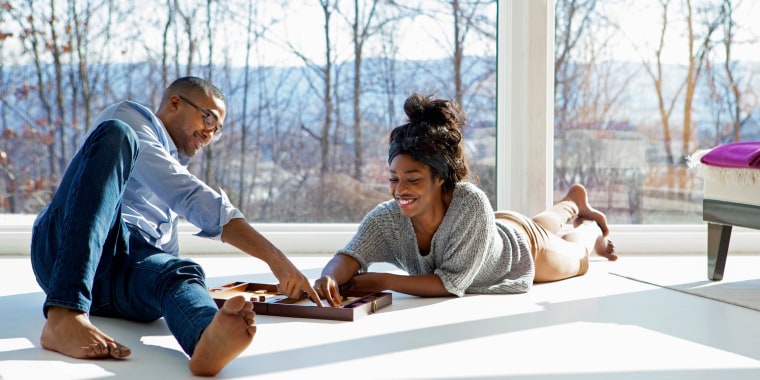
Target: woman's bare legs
{"points": [[574, 206], [566, 255]]}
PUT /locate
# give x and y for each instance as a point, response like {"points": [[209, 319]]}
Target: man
{"points": [[107, 243]]}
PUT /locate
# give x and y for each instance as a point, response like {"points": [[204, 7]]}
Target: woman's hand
{"points": [[338, 271], [327, 288]]}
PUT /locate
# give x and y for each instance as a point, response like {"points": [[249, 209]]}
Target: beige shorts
{"points": [[536, 234]]}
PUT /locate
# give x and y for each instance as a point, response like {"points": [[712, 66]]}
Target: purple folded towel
{"points": [[744, 154]]}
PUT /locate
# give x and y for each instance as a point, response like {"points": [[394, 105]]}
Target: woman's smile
{"points": [[405, 202]]}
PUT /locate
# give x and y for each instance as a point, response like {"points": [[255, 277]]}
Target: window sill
{"points": [[300, 238]]}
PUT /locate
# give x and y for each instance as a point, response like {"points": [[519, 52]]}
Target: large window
{"points": [[313, 88], [653, 203], [642, 85]]}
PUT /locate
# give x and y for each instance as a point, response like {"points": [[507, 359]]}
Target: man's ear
{"points": [[174, 101]]}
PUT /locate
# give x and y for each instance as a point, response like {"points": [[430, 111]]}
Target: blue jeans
{"points": [[86, 258]]}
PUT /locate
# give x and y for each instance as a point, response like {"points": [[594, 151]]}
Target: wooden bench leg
{"points": [[718, 237]]}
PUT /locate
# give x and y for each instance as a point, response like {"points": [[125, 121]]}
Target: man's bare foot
{"points": [[579, 196], [228, 334], [604, 247], [70, 332]]}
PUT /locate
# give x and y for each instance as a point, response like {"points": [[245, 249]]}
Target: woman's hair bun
{"points": [[423, 109], [414, 107]]}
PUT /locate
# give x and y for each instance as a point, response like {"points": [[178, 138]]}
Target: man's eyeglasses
{"points": [[210, 120]]}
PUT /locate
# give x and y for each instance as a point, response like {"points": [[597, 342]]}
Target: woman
{"points": [[443, 232]]}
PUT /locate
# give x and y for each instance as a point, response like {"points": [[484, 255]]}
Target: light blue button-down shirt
{"points": [[161, 189]]}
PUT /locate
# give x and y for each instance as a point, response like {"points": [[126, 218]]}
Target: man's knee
{"points": [[116, 135], [182, 270]]}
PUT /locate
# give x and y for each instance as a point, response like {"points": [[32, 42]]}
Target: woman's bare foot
{"points": [[579, 196], [70, 332], [604, 247], [229, 333]]}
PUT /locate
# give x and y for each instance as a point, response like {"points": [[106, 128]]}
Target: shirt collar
{"points": [[182, 158]]}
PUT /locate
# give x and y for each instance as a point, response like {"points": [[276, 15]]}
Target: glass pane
{"points": [[305, 138], [642, 85]]}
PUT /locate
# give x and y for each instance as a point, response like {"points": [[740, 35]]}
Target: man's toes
{"points": [[119, 351], [234, 305], [96, 350]]}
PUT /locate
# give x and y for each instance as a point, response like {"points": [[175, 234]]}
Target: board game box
{"points": [[268, 301]]}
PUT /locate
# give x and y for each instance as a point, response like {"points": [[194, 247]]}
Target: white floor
{"points": [[599, 326]]}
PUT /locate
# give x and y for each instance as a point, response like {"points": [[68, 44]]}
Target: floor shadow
{"points": [[745, 293], [615, 309], [716, 328]]}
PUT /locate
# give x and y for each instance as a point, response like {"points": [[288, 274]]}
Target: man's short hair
{"points": [[190, 86]]}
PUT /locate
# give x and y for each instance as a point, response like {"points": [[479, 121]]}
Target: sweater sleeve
{"points": [[371, 243]]}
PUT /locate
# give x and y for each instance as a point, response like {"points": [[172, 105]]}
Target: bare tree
{"points": [[571, 24], [665, 108], [57, 50], [251, 36], [327, 98], [34, 43], [208, 153], [170, 5], [731, 96], [89, 40], [697, 52], [388, 73], [256, 29], [361, 27], [741, 111], [696, 61], [178, 28], [728, 39], [468, 19], [325, 73]]}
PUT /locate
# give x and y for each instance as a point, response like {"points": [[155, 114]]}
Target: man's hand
{"points": [[292, 282]]}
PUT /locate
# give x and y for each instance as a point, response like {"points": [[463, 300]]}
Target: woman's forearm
{"points": [[428, 285], [341, 268]]}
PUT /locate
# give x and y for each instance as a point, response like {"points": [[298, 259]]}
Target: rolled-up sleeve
{"points": [[227, 212]]}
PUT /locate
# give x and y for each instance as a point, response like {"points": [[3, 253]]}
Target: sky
{"points": [[641, 26], [301, 25], [421, 38]]}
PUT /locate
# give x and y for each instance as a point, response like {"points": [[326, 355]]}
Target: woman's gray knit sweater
{"points": [[471, 251]]}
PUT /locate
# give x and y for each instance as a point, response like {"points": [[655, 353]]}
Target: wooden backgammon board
{"points": [[268, 301]]}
